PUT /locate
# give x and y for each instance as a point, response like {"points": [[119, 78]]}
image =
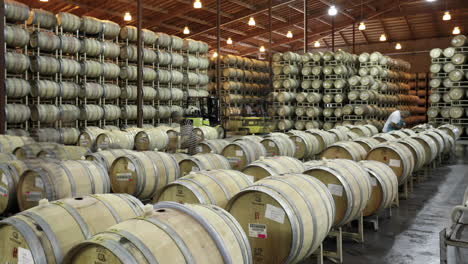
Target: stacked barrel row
{"points": [[449, 84], [243, 84]]}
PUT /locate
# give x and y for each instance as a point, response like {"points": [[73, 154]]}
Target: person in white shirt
{"points": [[395, 121]]}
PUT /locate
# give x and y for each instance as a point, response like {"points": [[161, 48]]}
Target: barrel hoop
{"points": [[346, 186], [362, 200], [140, 171], [203, 222], [233, 178], [105, 177], [309, 205], [33, 241], [55, 244], [52, 193], [156, 172], [70, 179], [7, 172], [133, 202], [90, 175], [219, 183], [138, 244], [78, 218], [205, 190], [109, 207], [241, 237], [117, 249], [172, 233], [189, 185]]}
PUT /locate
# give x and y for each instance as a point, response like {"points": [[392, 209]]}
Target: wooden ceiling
{"points": [[400, 20]]}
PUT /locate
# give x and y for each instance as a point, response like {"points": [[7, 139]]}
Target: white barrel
{"points": [[91, 112], [69, 135], [152, 139], [91, 90], [110, 50], [91, 69], [69, 90], [45, 89], [69, 44], [115, 139], [111, 112], [45, 65], [17, 88], [16, 62], [279, 144], [69, 113], [17, 113], [15, 11], [111, 91], [417, 151], [110, 29], [110, 70], [344, 150], [90, 25], [68, 22], [45, 113], [15, 36], [44, 40], [348, 182], [42, 18]]}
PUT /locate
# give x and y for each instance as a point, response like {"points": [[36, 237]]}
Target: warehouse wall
{"points": [[415, 52]]}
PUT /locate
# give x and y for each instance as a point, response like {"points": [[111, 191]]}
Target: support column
{"points": [[140, 65], [218, 58], [306, 26], [2, 70]]}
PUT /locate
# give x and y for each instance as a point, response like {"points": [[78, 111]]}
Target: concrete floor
{"points": [[411, 235]]}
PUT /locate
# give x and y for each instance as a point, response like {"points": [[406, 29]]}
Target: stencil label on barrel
{"points": [[394, 163], [274, 213], [124, 176], [335, 189]]}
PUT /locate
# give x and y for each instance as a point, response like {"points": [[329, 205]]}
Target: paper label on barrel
{"points": [[275, 213], [335, 189], [199, 149], [373, 181], [271, 144], [124, 176], [298, 139], [4, 180], [3, 191], [25, 256], [239, 153], [195, 169], [257, 230], [394, 163], [39, 183], [33, 196], [131, 167]]}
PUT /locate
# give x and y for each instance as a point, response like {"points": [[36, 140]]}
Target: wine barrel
{"points": [[17, 113], [202, 162], [110, 71], [417, 150], [16, 62], [344, 150], [91, 47], [142, 174], [384, 137], [44, 40], [15, 36], [273, 166], [5, 157], [242, 152], [17, 88], [384, 186], [452, 130], [61, 152], [188, 230], [215, 187], [69, 45], [110, 29], [110, 50], [115, 140], [45, 134], [91, 69], [68, 22], [45, 65], [367, 143], [307, 145], [69, 135], [45, 113], [45, 89], [279, 144], [429, 145], [152, 139], [215, 146], [348, 182], [285, 124], [46, 233], [205, 133], [42, 18], [55, 180], [324, 138], [15, 11], [395, 155], [295, 210], [10, 172]]}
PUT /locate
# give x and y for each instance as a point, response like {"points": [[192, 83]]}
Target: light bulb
{"points": [[398, 46], [317, 44], [44, 1], [431, 0], [197, 4], [447, 16], [332, 11], [289, 34], [215, 54], [186, 30], [127, 16], [383, 37], [262, 49], [362, 26], [456, 30], [251, 21], [229, 41]]}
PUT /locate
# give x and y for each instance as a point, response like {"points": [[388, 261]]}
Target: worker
{"points": [[395, 121]]}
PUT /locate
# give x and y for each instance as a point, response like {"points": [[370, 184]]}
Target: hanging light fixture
{"points": [[430, 1], [252, 22], [383, 37], [456, 30], [43, 1], [215, 54], [332, 11], [262, 49], [197, 4], [289, 34], [186, 30], [229, 41], [362, 26], [317, 44], [127, 16], [398, 46], [447, 16]]}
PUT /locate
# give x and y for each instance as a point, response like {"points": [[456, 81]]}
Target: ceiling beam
{"points": [[302, 12], [343, 37], [384, 28], [241, 17], [243, 4], [410, 29], [363, 34], [206, 8], [340, 10]]}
